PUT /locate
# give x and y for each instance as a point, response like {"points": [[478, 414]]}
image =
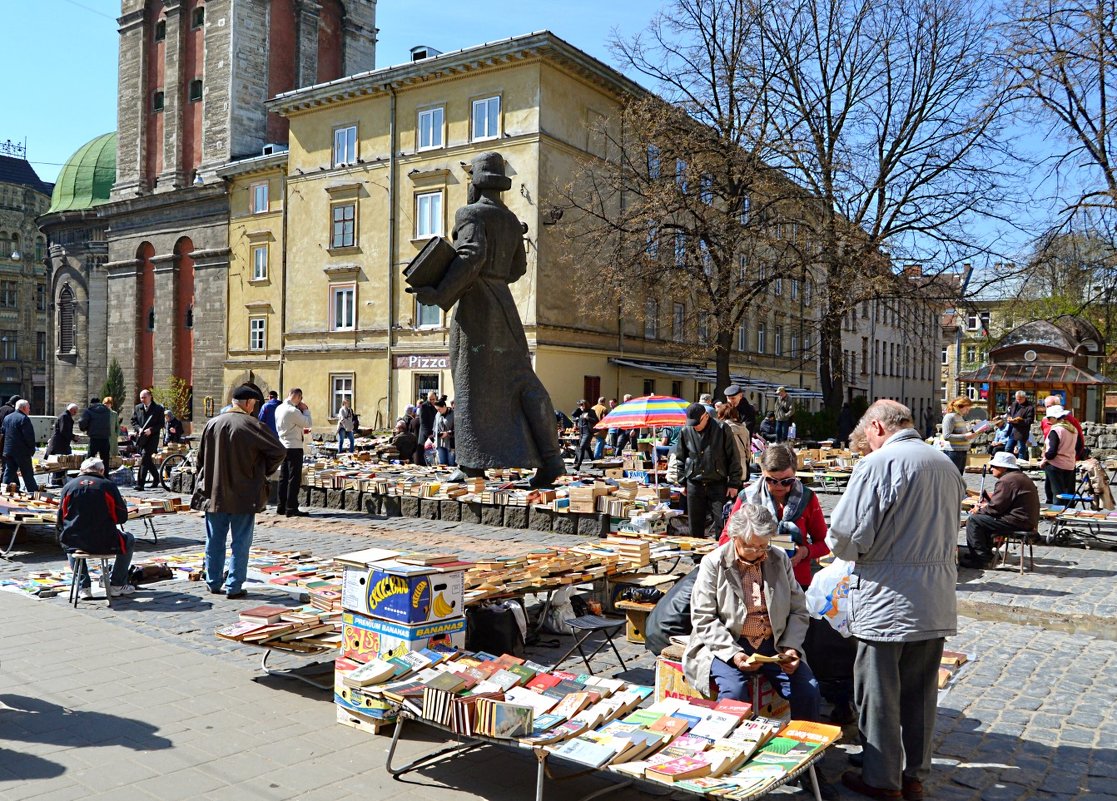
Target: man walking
{"points": [[292, 422], [426, 413], [267, 413], [147, 423], [704, 458], [61, 440], [898, 521], [91, 516], [1013, 506], [96, 423], [235, 457], [602, 411], [784, 412], [585, 419], [1021, 415], [19, 446]]}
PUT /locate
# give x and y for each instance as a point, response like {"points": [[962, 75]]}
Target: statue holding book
{"points": [[503, 414]]}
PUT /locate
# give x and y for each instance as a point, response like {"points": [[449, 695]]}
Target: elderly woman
{"points": [[746, 601]]}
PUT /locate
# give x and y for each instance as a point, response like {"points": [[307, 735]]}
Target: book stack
{"points": [[633, 552], [298, 629]]}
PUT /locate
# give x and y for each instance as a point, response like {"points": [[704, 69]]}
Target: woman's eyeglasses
{"points": [[783, 482]]}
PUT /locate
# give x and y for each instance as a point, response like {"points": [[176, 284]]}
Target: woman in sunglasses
{"points": [[794, 506]]}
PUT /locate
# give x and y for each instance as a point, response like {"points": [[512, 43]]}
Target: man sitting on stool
{"points": [[90, 515], [1013, 506]]}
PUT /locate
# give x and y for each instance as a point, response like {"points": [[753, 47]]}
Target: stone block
{"points": [[470, 512], [592, 525], [176, 482], [318, 497], [353, 501], [540, 519], [429, 508], [372, 504], [409, 507], [187, 483], [515, 517], [450, 510], [304, 497], [491, 516], [335, 499], [390, 506], [564, 524]]}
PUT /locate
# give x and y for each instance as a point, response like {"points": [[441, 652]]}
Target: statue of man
{"points": [[503, 415]]}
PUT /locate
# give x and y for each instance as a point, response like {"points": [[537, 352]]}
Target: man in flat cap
{"points": [[504, 416], [237, 454]]}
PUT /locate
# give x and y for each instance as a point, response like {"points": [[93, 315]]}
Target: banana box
{"points": [[364, 638], [403, 593]]}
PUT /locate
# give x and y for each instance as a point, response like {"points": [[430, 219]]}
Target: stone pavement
{"points": [[142, 701]]}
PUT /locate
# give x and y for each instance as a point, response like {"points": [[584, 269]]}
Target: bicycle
{"points": [[174, 464]]}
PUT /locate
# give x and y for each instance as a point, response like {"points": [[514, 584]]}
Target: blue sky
{"points": [[59, 72]]}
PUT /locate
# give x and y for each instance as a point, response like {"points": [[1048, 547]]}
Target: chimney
{"points": [[420, 52]]}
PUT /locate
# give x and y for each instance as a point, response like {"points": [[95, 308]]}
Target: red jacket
{"points": [[1079, 445], [811, 523]]}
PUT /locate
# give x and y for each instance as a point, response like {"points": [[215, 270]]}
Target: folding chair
{"points": [[1083, 494], [583, 628]]}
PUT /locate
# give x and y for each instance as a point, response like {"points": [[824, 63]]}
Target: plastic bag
{"points": [[828, 595], [560, 611]]}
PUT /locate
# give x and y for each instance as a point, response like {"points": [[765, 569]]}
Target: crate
{"points": [[355, 720]]}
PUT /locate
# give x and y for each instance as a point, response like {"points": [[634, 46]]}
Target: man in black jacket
{"points": [[585, 418], [426, 414], [147, 422], [91, 514], [19, 446], [96, 423], [61, 440], [1021, 415], [705, 459]]}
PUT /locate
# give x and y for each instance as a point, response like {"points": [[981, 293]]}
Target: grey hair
{"points": [[778, 457], [22, 404], [1020, 393], [751, 521], [93, 465], [891, 414], [241, 403]]}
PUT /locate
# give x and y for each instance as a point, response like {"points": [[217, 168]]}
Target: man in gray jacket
{"points": [[898, 521]]}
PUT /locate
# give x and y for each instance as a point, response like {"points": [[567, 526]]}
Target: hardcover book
{"points": [[430, 264]]}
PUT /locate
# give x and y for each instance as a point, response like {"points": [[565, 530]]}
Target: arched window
{"points": [[66, 320]]}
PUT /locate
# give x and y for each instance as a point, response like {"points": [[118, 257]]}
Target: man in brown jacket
{"points": [[1013, 506], [236, 455]]}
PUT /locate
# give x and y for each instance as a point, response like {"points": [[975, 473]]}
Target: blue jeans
{"points": [[782, 427], [1018, 448], [341, 435], [800, 688], [218, 525], [119, 575], [445, 456], [599, 448], [13, 466]]}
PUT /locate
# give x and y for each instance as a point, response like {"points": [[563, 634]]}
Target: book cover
{"points": [[511, 720], [447, 682], [715, 725], [430, 264], [543, 681], [678, 769], [585, 752], [670, 725], [266, 613]]}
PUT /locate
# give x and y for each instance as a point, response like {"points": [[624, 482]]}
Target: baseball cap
{"points": [[694, 414]]}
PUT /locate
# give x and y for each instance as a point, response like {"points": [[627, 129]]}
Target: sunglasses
{"points": [[783, 482]]}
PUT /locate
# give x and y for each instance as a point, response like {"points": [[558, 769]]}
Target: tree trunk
{"points": [[721, 359], [830, 367]]}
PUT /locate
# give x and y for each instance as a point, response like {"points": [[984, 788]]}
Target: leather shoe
{"points": [[852, 780], [913, 789], [236, 594], [216, 590], [296, 513], [857, 760]]}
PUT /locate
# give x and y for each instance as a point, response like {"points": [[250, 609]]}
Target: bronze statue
{"points": [[504, 416]]}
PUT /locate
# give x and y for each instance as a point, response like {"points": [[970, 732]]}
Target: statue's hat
{"points": [[487, 172]]}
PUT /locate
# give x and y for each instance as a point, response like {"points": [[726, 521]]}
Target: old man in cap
{"points": [[236, 455], [504, 416]]}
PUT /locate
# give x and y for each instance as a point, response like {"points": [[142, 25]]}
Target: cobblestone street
{"points": [[164, 698]]}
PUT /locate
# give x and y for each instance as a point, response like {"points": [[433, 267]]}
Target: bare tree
{"points": [[886, 112]]}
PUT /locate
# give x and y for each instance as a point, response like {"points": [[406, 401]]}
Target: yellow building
{"points": [[376, 167]]}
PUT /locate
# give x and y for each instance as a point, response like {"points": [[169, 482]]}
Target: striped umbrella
{"points": [[647, 412]]}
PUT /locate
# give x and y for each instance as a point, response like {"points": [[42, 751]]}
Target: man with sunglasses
{"points": [[705, 460]]}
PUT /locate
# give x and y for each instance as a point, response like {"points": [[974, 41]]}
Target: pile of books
{"points": [[301, 629]]}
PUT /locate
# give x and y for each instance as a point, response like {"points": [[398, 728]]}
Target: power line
{"points": [[90, 10]]}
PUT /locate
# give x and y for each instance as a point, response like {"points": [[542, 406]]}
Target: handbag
{"points": [[828, 595], [495, 628]]}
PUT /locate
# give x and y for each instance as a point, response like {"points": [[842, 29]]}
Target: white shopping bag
{"points": [[828, 595]]}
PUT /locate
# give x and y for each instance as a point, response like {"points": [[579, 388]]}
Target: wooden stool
{"points": [[635, 618], [81, 564], [1025, 538]]}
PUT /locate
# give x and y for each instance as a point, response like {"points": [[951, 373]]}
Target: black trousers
{"points": [[585, 448], [1057, 482], [147, 465], [980, 530], [99, 446], [702, 502], [623, 437], [290, 479]]}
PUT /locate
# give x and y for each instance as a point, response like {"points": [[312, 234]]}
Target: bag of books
{"points": [[828, 595]]}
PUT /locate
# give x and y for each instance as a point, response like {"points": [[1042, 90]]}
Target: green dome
{"points": [[87, 177]]}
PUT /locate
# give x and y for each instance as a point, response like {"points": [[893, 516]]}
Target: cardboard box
{"points": [[363, 638], [420, 596], [671, 683]]}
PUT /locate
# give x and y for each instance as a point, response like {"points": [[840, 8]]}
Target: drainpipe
{"points": [[283, 288], [393, 165]]}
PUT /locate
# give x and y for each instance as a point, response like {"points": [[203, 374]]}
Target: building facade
{"points": [[194, 76], [23, 281]]}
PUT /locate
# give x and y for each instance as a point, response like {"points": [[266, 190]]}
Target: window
{"points": [[260, 262], [777, 348], [651, 320], [704, 327], [651, 246], [40, 346], [157, 100], [66, 320], [743, 338], [160, 30], [9, 294], [260, 198], [653, 163], [428, 215], [676, 389], [486, 118], [864, 355], [341, 389], [972, 322], [706, 189], [761, 338], [345, 145], [426, 383], [795, 347], [40, 248], [680, 248], [198, 18], [943, 357], [746, 207], [9, 345], [808, 292], [971, 354], [707, 258], [427, 316], [742, 269], [343, 230], [343, 307], [794, 288], [777, 286], [680, 175], [678, 318], [196, 90], [41, 297], [649, 386], [257, 333], [431, 122]]}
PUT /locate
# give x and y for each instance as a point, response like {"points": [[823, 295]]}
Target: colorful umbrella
{"points": [[647, 412]]}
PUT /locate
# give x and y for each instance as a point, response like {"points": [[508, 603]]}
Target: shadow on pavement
{"points": [[27, 766]]}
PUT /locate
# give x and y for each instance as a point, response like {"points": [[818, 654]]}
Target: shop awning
{"points": [[1035, 373], [700, 373]]}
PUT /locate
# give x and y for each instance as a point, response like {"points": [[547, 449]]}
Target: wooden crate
{"points": [[363, 723], [635, 618]]}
